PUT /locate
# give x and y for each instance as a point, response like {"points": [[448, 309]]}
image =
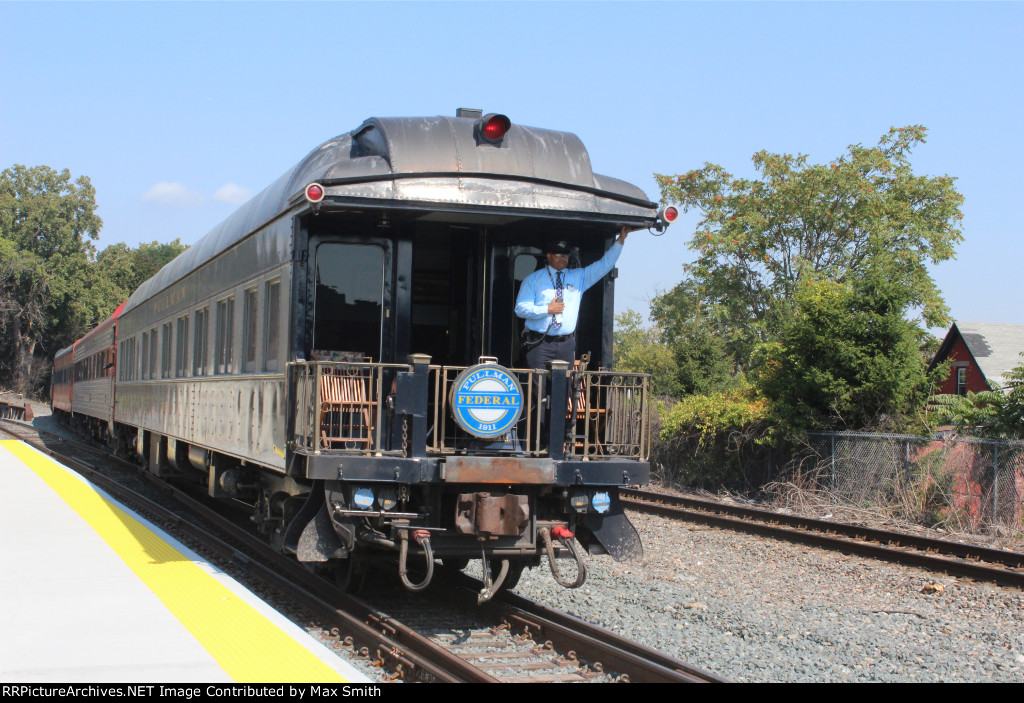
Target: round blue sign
{"points": [[487, 400]]}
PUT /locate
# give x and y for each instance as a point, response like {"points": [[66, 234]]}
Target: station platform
{"points": [[91, 592]]}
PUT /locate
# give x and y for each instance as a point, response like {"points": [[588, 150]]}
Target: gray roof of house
{"points": [[995, 346]]}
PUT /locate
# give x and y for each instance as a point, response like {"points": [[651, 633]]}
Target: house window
{"points": [[961, 381]]}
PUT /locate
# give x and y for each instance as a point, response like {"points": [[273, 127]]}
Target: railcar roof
{"points": [[367, 161]]}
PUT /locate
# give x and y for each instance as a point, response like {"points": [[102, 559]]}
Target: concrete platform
{"points": [[91, 592]]}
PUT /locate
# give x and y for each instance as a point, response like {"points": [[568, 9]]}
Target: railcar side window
{"points": [[349, 298], [271, 325], [152, 353], [249, 331], [225, 326], [145, 355], [201, 334], [181, 368], [166, 351]]}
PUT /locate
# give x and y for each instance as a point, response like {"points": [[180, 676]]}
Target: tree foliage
{"points": [[846, 358], [640, 349], [995, 413], [124, 269], [758, 239], [53, 286], [683, 358], [47, 222], [715, 439], [699, 347]]}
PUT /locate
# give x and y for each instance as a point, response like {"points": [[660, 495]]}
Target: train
{"points": [[341, 356]]}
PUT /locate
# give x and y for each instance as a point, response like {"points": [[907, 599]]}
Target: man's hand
{"points": [[622, 235], [555, 307]]}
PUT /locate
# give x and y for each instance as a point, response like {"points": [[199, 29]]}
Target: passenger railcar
{"points": [[62, 382], [82, 389], [317, 354]]}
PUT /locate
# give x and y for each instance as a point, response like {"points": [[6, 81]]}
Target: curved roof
{"points": [[440, 161]]}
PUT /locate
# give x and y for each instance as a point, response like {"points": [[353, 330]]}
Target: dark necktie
{"points": [[556, 320]]}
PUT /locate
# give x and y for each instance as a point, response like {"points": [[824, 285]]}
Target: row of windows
{"points": [[164, 352], [96, 366]]}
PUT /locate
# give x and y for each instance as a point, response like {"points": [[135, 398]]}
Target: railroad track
{"points": [[980, 563], [438, 636]]}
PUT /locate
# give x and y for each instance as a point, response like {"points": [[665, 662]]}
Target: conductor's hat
{"points": [[558, 247]]}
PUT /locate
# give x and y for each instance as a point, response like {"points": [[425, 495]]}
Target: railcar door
{"points": [[447, 281], [351, 287]]}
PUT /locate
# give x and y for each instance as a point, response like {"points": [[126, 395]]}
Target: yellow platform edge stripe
{"points": [[248, 646]]}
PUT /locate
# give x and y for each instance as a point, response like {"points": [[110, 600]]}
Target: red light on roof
{"points": [[494, 127], [314, 192], [671, 214]]}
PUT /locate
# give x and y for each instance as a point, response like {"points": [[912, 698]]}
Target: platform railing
{"points": [[340, 406], [365, 408], [609, 415], [446, 437]]}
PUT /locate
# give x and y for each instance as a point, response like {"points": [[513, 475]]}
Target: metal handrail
{"points": [[342, 407], [339, 405]]}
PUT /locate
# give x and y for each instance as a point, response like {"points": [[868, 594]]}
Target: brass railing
{"points": [[609, 415], [447, 437], [338, 405], [355, 407]]}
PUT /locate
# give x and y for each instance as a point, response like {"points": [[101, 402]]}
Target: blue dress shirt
{"points": [[538, 290]]}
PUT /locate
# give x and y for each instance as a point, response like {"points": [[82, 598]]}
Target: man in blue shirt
{"points": [[549, 302]]}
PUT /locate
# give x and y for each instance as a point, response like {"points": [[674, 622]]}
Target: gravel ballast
{"points": [[756, 610]]}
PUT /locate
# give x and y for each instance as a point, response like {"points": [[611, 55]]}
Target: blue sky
{"points": [[178, 111]]}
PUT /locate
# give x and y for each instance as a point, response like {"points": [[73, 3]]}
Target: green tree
{"points": [[47, 222], [846, 358], [758, 239], [639, 349], [124, 269], [699, 347]]}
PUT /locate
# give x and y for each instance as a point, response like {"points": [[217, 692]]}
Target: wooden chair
{"points": [[347, 409]]}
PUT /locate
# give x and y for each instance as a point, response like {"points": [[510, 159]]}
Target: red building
{"points": [[980, 352]]}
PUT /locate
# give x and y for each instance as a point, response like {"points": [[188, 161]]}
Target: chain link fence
{"points": [[964, 485]]}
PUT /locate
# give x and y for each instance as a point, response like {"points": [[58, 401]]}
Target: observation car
{"points": [[342, 355]]}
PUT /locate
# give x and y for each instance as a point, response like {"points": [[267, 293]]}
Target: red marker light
{"points": [[668, 215], [494, 127], [314, 192]]}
